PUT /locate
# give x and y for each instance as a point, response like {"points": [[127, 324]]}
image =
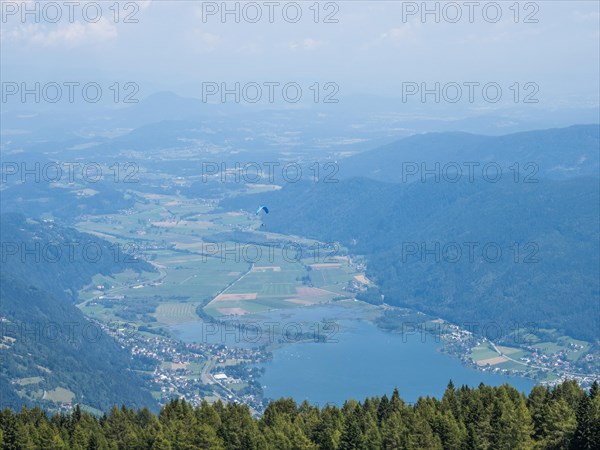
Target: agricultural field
{"points": [[484, 354], [182, 239], [281, 284], [336, 277], [174, 313]]}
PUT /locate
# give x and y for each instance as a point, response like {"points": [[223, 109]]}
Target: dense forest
{"points": [[564, 417]]}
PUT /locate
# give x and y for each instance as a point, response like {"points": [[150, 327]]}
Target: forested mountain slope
{"points": [[557, 153], [468, 251], [47, 343]]}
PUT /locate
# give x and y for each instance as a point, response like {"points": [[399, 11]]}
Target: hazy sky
{"points": [[370, 48]]}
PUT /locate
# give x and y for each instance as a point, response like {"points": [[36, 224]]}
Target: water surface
{"points": [[360, 360]]}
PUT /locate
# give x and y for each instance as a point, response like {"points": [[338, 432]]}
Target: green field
{"points": [[483, 351], [196, 368], [192, 269], [172, 313], [28, 381], [549, 347], [281, 284], [565, 344], [510, 365], [59, 395], [235, 387]]}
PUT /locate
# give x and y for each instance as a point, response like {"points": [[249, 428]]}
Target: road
{"points": [[206, 377], [222, 291], [161, 276]]}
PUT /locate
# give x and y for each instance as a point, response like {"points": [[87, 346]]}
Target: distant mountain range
{"points": [[356, 123], [556, 153]]}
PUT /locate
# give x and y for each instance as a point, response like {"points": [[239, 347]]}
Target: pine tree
{"points": [[421, 435], [97, 441], [161, 443], [449, 430], [538, 397], [450, 401], [587, 433], [79, 439], [511, 423], [310, 417], [352, 436], [45, 436], [394, 433], [595, 389], [208, 415], [559, 424], [371, 433], [204, 436], [328, 431], [383, 410], [396, 403], [299, 440]]}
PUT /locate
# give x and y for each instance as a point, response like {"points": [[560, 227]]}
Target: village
{"points": [[198, 371], [527, 360]]}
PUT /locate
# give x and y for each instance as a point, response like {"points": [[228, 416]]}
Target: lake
{"points": [[362, 361]]}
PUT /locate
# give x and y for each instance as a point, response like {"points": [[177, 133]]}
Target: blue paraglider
{"points": [[262, 208]]}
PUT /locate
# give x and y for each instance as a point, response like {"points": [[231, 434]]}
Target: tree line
{"points": [[563, 417]]}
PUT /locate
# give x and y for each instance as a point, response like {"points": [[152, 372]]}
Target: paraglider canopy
{"points": [[262, 208]]}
